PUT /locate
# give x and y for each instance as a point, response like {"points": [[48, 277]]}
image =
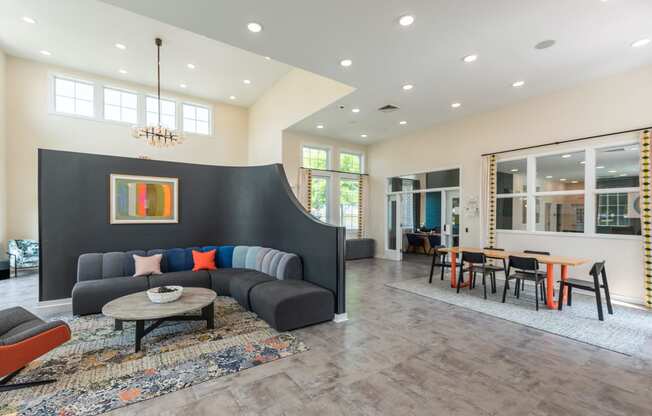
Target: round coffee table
{"points": [[137, 307]]}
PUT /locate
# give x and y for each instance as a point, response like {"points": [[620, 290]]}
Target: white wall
{"points": [[294, 97], [612, 104], [3, 155], [30, 127]]}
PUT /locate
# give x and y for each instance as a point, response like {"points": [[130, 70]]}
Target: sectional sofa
{"points": [[266, 281]]}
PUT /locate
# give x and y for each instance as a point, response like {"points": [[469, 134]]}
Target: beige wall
{"points": [[611, 104], [292, 153], [3, 156], [30, 127], [294, 97]]}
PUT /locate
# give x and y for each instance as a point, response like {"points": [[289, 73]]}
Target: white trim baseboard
{"points": [[340, 317]]}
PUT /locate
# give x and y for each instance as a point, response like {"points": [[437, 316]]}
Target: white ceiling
{"points": [[82, 34], [593, 40]]}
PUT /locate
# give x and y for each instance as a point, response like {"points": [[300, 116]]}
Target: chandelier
{"points": [[158, 135]]}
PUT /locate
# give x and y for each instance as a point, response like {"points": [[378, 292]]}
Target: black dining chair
{"points": [[541, 253], [416, 241], [526, 268], [477, 264], [502, 259], [435, 241], [439, 260], [597, 271]]}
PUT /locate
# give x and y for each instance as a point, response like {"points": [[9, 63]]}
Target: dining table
{"points": [[549, 260]]}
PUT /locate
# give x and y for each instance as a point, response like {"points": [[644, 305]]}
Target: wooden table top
{"points": [[138, 307], [498, 254]]}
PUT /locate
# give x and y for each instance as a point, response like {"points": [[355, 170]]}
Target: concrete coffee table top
{"points": [[138, 307]]}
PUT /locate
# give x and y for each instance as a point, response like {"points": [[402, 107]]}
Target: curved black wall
{"points": [[217, 205]]}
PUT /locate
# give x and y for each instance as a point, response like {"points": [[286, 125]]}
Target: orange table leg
{"points": [[550, 286], [453, 269], [564, 276]]}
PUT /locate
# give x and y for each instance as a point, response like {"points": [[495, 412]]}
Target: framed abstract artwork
{"points": [[143, 200]]}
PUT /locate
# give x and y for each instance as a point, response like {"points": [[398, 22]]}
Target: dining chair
{"points": [[435, 241], [415, 241], [477, 264], [597, 271], [542, 253], [526, 268], [504, 268], [442, 264]]}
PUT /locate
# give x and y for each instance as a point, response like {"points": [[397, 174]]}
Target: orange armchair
{"points": [[23, 338]]}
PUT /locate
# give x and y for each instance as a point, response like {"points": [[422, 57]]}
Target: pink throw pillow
{"points": [[147, 265]]}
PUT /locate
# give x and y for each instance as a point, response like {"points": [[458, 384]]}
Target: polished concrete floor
{"points": [[402, 354]]}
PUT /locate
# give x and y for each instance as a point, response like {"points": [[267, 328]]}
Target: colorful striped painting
{"points": [[143, 199]]}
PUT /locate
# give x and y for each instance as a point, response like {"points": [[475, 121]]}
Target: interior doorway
{"points": [[423, 212]]}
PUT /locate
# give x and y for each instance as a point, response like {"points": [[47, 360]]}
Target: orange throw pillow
{"points": [[203, 260]]}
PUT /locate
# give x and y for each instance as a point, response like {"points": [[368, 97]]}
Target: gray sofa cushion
{"points": [[252, 255], [291, 304], [260, 256], [240, 286], [186, 278], [239, 257], [221, 280], [90, 296], [18, 324], [289, 267]]}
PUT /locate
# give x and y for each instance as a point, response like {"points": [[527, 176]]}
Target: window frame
{"points": [[103, 88], [183, 119], [350, 178], [52, 96], [327, 149], [176, 109], [515, 195], [590, 191], [329, 196], [359, 154]]}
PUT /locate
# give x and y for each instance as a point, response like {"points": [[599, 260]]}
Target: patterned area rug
{"points": [[627, 331], [98, 369]]}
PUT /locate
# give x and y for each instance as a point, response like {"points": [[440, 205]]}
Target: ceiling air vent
{"points": [[389, 108]]}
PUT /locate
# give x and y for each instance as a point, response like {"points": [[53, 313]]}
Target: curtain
{"points": [[489, 199], [646, 215], [363, 205], [305, 185]]}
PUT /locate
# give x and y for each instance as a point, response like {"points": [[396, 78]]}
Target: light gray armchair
{"points": [[23, 254]]}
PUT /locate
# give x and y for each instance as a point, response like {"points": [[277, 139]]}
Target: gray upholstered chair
{"points": [[23, 338], [23, 254]]}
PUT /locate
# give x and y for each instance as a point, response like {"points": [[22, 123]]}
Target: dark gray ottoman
{"points": [[292, 304], [359, 248], [242, 285], [91, 295], [4, 269], [186, 278]]}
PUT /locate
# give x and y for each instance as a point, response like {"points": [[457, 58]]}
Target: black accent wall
{"points": [[218, 205]]}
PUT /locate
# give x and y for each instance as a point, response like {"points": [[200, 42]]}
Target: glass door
{"points": [[451, 218], [393, 247]]}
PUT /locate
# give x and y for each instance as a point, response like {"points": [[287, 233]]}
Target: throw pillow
{"points": [[147, 265], [203, 261]]}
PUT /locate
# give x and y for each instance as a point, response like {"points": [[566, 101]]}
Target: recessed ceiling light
{"points": [[406, 20], [355, 110], [120, 46], [470, 58], [246, 81], [320, 126], [402, 123], [456, 105], [407, 87], [575, 182], [255, 27], [566, 156], [633, 148], [563, 179], [122, 71], [46, 53], [599, 167], [583, 162], [268, 58], [364, 136], [183, 85], [346, 63], [518, 84], [29, 20], [612, 171], [513, 170], [623, 174], [191, 66], [641, 42], [549, 177], [233, 97]]}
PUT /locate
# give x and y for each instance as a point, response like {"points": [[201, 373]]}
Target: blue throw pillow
{"points": [[225, 257], [176, 259]]}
